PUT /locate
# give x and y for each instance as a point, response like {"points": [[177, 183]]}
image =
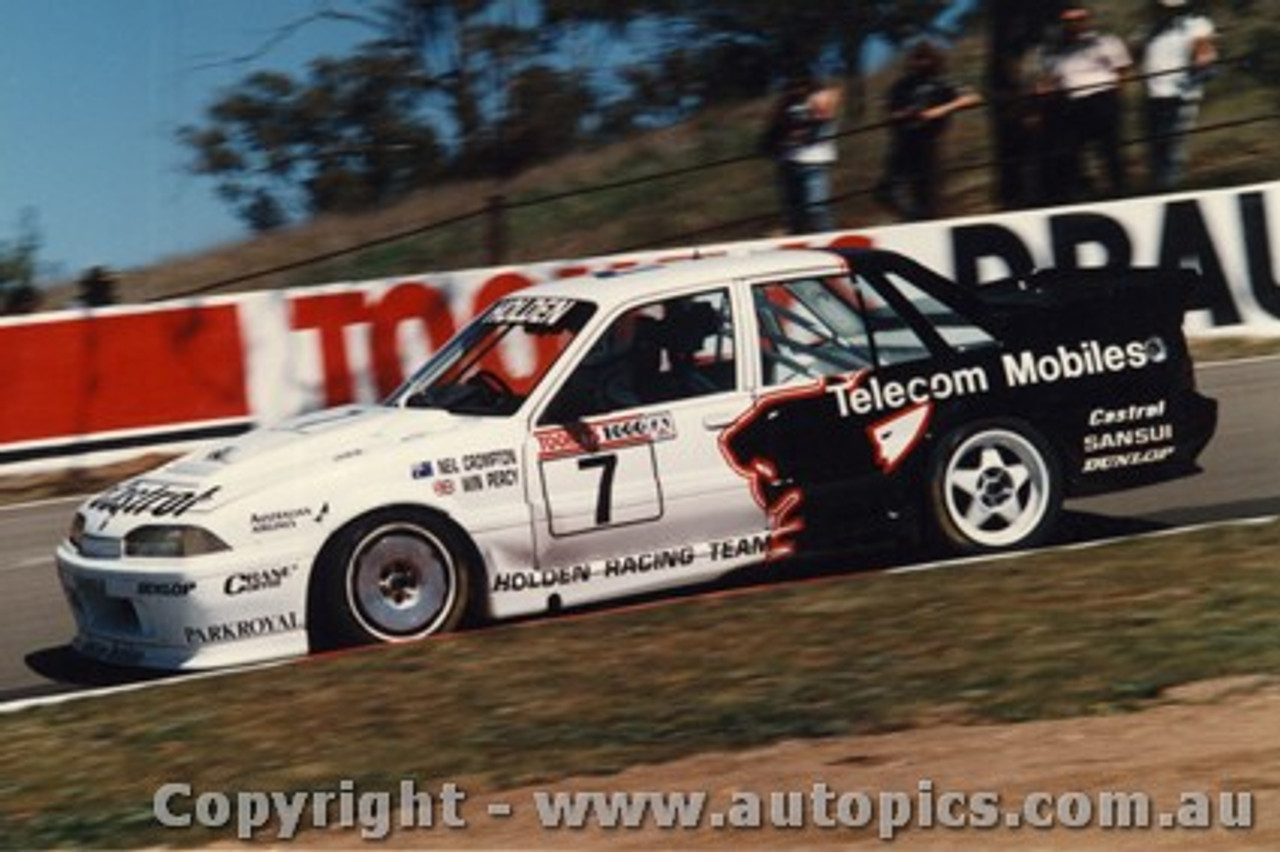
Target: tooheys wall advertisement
{"points": [[93, 384]]}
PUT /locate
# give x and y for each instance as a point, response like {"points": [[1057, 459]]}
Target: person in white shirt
{"points": [[1084, 73], [1177, 56], [801, 137]]}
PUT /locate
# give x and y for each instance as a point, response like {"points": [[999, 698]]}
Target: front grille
{"points": [[100, 611]]}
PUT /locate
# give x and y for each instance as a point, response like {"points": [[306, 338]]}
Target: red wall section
{"points": [[76, 376]]}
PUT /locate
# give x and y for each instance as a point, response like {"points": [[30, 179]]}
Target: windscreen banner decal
{"points": [[530, 310]]}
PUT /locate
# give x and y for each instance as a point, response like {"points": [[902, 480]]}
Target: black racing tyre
{"points": [[395, 575], [994, 485]]}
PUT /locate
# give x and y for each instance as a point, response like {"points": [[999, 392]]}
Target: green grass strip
{"points": [[1056, 634]]}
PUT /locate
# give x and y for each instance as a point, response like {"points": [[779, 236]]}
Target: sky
{"points": [[91, 94]]}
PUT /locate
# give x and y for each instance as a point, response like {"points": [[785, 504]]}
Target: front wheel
{"points": [[390, 577], [994, 486]]}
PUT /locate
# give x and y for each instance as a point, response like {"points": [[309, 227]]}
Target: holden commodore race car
{"points": [[622, 433]]}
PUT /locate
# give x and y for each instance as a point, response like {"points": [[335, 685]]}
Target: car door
{"points": [[848, 370], [630, 482]]}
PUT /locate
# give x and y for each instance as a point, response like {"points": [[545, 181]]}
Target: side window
{"points": [[896, 342], [809, 328], [658, 352], [959, 333]]}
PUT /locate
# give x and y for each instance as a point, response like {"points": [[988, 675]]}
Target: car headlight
{"points": [[172, 541]]}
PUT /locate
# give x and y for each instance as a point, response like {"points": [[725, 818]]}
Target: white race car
{"points": [[615, 434]]}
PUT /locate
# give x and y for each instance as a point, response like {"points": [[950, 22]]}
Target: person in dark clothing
{"points": [[919, 104], [97, 287], [1084, 72]]}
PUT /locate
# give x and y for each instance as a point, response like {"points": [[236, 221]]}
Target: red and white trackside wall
{"points": [[123, 379]]}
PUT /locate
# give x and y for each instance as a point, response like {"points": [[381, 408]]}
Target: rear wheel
{"points": [[393, 576], [994, 486]]}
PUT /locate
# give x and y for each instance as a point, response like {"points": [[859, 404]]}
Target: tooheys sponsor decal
{"points": [[245, 582], [159, 500], [245, 628], [867, 393], [607, 435]]}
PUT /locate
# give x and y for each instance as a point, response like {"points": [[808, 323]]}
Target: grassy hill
{"points": [[695, 205]]}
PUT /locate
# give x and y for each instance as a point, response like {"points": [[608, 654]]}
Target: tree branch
{"points": [[326, 12]]}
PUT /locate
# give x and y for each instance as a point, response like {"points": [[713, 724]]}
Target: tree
{"points": [[542, 119], [712, 51], [488, 87], [1264, 60], [345, 138], [19, 265], [1015, 27], [466, 56]]}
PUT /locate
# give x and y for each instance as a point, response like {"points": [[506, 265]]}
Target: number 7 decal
{"points": [[592, 492], [608, 465]]}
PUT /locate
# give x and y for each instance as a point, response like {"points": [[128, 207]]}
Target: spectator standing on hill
{"points": [[919, 104], [97, 287], [21, 298], [1086, 70], [800, 137], [1177, 57]]}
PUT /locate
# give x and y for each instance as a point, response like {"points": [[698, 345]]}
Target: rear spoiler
{"points": [[1050, 288]]}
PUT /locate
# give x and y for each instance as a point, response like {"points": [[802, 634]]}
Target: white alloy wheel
{"points": [[402, 582], [999, 489]]}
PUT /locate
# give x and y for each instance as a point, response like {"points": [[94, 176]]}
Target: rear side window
{"points": [[958, 332], [809, 328]]}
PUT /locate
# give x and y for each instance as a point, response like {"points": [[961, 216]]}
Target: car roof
{"points": [[609, 288]]}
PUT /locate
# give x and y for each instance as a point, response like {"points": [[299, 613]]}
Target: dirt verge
{"points": [[1211, 737]]}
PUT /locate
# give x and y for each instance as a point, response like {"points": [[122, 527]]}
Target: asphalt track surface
{"points": [[1241, 479]]}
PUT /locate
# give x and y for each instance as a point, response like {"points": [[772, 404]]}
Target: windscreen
{"points": [[492, 365]]}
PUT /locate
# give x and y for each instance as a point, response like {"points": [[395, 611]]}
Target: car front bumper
{"points": [[202, 612]]}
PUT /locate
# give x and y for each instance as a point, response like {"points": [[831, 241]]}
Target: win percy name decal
{"points": [[159, 500], [871, 394]]}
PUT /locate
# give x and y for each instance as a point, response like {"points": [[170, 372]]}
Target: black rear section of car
{"points": [[1119, 430], [1084, 376]]}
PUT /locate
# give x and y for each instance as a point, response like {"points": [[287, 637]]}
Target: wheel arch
{"points": [[473, 560]]}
